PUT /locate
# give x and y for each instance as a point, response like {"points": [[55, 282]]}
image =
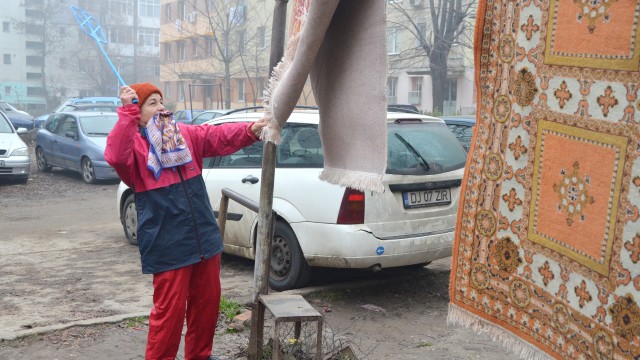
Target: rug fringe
{"points": [[271, 132], [526, 351], [358, 180]]}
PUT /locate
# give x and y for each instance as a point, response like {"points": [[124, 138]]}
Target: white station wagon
{"points": [[322, 225]]}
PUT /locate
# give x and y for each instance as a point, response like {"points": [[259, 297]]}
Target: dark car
{"points": [[186, 116], [19, 119], [462, 128], [76, 140], [405, 108]]}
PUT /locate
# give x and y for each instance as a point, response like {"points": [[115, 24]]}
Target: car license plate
{"points": [[423, 198], [1, 163]]}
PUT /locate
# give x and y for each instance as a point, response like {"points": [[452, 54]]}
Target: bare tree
{"points": [[436, 28], [224, 42]]}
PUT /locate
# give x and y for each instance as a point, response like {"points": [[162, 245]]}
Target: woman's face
{"points": [[152, 106]]}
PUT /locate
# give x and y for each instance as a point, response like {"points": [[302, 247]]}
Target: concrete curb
{"points": [[86, 322]]}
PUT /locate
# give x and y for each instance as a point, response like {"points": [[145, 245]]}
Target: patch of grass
{"points": [[136, 321], [230, 308], [328, 295], [424, 344]]}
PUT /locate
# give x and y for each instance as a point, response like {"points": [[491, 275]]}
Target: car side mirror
{"points": [[71, 134], [22, 131]]}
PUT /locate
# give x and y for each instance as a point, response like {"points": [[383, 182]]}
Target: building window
{"points": [[180, 92], [168, 11], [7, 59], [87, 92], [149, 8], [422, 33], [167, 90], [262, 37], [121, 6], [393, 40], [34, 60], [6, 26], [36, 91], [37, 45], [34, 75], [260, 87], [392, 84], [182, 10], [240, 83], [194, 48], [167, 51], [149, 37], [121, 35], [7, 90], [241, 38], [210, 45], [181, 51]]}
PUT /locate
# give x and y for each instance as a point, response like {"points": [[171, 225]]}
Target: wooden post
{"points": [[265, 214]]}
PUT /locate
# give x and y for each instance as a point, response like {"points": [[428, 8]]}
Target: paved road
{"points": [[64, 261]]}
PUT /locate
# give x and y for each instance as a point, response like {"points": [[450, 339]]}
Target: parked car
{"points": [[89, 100], [91, 107], [15, 161], [40, 120], [208, 115], [186, 116], [462, 128], [18, 118], [76, 141], [98, 106], [320, 224], [408, 108]]}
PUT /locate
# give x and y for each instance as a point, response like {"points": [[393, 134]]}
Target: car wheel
{"points": [[41, 160], [88, 173], [289, 269], [130, 220]]}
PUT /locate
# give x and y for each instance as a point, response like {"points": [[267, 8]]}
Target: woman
{"points": [[180, 242]]}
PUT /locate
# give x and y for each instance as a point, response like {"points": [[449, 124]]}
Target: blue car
{"points": [[462, 128], [76, 141]]}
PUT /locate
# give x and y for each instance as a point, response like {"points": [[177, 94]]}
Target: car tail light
{"points": [[352, 207]]}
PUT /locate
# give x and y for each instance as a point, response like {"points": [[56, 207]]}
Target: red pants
{"points": [[194, 290]]}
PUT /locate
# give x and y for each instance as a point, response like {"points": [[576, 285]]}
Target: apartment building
{"points": [[47, 58], [215, 55]]}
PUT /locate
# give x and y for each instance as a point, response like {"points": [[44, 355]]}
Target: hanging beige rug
{"points": [[342, 46]]}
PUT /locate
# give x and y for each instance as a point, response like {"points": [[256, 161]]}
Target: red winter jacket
{"points": [[176, 223], [127, 149]]}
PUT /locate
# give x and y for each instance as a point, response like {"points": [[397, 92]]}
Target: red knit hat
{"points": [[144, 90]]}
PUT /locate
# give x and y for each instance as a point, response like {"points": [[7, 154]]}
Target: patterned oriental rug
{"points": [[547, 249]]}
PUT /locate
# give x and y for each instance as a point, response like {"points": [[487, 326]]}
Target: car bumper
{"points": [[103, 171], [352, 246], [15, 167]]}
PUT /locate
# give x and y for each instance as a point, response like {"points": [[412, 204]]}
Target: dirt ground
{"points": [[72, 289]]}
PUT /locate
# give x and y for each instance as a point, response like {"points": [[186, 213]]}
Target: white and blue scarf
{"points": [[168, 148]]}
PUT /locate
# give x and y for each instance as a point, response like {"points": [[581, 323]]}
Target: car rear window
{"points": [[98, 125], [423, 149], [414, 149]]}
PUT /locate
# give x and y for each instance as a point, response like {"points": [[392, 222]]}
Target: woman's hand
{"points": [[256, 127], [127, 95]]}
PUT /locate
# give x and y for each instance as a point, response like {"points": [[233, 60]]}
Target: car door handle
{"points": [[252, 179]]}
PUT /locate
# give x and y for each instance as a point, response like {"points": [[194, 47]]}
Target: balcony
{"points": [[415, 97]]}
